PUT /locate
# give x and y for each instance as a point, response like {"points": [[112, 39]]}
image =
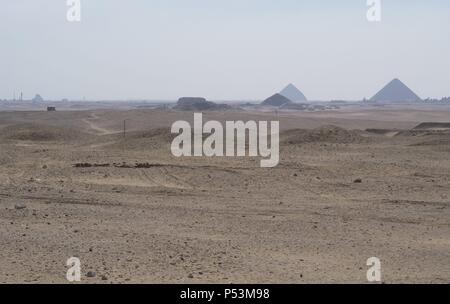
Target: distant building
{"points": [[37, 98], [51, 109]]}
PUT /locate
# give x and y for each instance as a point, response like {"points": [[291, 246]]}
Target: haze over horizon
{"points": [[227, 50]]}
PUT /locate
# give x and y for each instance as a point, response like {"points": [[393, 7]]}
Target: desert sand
{"points": [[72, 185]]}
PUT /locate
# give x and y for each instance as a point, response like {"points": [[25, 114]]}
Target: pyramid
{"points": [[292, 93], [396, 91], [37, 98], [276, 100]]}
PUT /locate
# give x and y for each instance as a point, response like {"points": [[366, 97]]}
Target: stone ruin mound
{"points": [[199, 104]]}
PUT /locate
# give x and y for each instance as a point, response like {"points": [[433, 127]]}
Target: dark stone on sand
{"points": [[91, 274]]}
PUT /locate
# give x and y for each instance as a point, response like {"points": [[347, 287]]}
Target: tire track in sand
{"points": [[95, 127]]}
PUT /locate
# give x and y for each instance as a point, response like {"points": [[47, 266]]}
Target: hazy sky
{"points": [[222, 49]]}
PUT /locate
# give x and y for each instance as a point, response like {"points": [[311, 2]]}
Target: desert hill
{"points": [[327, 134]]}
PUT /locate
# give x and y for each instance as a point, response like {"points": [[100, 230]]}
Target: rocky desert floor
{"points": [[71, 185]]}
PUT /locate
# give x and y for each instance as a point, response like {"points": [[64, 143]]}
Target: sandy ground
{"points": [[222, 220]]}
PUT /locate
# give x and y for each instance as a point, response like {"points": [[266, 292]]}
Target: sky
{"points": [[222, 49]]}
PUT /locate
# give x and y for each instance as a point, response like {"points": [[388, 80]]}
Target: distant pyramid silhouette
{"points": [[395, 91], [292, 93], [276, 100]]}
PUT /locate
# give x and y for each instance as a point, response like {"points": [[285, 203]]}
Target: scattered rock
{"points": [[20, 206], [190, 276], [91, 274]]}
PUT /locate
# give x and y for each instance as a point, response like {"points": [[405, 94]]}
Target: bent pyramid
{"points": [[292, 93], [395, 91], [276, 100]]}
